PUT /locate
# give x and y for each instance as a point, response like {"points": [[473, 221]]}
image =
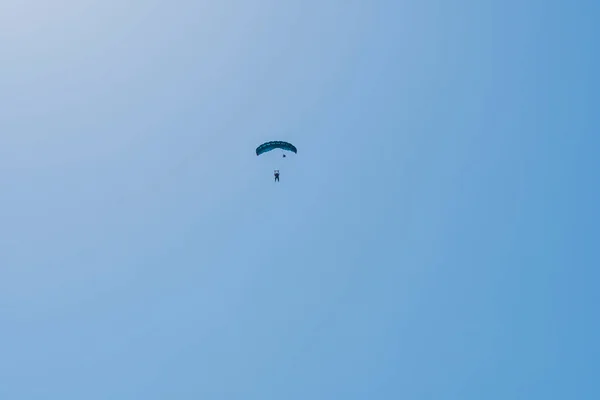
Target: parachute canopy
{"points": [[265, 147]]}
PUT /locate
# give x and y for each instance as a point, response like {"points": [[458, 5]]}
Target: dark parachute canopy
{"points": [[268, 146]]}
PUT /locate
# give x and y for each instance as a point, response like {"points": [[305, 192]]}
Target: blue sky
{"points": [[436, 237]]}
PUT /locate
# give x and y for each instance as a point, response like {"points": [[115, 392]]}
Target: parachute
{"points": [[283, 146], [268, 146]]}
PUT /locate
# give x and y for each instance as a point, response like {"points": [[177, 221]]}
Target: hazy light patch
{"points": [[96, 79], [22, 19]]}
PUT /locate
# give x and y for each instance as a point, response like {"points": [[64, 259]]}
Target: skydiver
{"points": [[276, 173]]}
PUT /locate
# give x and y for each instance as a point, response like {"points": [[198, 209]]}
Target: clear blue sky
{"points": [[436, 237]]}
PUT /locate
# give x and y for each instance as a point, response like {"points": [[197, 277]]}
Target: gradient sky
{"points": [[436, 237]]}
